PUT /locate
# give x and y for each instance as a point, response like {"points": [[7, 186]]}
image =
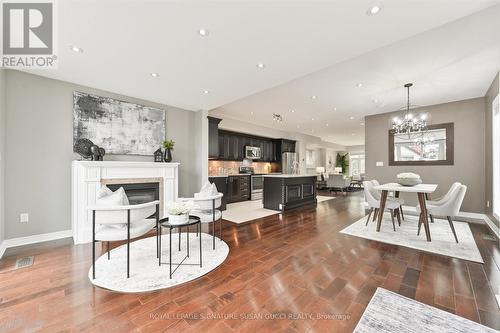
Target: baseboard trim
{"points": [[493, 227], [2, 249], [19, 241]]}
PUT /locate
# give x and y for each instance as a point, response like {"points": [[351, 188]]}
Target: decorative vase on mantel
{"points": [[168, 155]]}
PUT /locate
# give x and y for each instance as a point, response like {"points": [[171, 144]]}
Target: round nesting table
{"points": [[193, 221]]}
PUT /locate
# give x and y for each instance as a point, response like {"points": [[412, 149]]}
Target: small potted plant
{"points": [[169, 146], [178, 212]]}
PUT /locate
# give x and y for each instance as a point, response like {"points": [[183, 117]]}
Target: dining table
{"points": [[422, 191]]}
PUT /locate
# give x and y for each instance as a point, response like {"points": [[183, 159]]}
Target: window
{"points": [[496, 158], [310, 158], [356, 164]]}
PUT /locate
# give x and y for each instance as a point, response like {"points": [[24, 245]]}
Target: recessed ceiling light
{"points": [[154, 74], [206, 92], [334, 109], [362, 124], [312, 118], [351, 117], [203, 32], [359, 85], [251, 113], [326, 124], [292, 111], [314, 96], [76, 49], [374, 10], [261, 65]]}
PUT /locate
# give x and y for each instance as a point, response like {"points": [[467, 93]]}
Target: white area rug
{"points": [[322, 198], [146, 275], [406, 235], [391, 312], [240, 212]]}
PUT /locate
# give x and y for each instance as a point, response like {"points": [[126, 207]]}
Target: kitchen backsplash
{"points": [[216, 168]]}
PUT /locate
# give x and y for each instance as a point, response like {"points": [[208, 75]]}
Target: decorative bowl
{"points": [[409, 181], [178, 219]]}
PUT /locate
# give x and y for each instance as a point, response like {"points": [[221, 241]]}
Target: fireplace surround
{"points": [[159, 179]]}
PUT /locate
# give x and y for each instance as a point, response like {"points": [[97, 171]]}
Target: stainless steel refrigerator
{"points": [[290, 163]]}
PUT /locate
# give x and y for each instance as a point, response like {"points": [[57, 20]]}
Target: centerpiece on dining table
{"points": [[178, 212], [409, 179]]}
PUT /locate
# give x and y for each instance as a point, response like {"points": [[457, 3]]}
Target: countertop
{"points": [[289, 176]]}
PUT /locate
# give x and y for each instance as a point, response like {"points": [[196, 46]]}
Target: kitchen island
{"points": [[286, 191]]}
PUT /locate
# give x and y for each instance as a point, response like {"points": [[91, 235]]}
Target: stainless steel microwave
{"points": [[253, 153]]}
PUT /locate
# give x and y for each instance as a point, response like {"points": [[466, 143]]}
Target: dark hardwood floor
{"points": [[294, 267]]}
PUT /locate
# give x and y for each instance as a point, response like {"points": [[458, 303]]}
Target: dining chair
{"points": [[119, 223], [449, 208], [444, 198], [374, 204], [400, 200]]}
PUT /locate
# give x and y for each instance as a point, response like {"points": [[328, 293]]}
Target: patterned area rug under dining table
{"points": [[442, 242]]}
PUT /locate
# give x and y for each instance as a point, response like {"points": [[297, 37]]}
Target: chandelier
{"points": [[409, 125], [277, 117]]}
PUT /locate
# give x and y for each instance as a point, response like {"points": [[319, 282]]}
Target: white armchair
{"points": [[118, 223], [208, 209], [448, 208]]}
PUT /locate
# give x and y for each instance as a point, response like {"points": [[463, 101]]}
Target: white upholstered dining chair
{"points": [[377, 196], [119, 223], [374, 204], [449, 208]]}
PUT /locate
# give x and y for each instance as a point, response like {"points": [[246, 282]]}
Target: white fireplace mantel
{"points": [[89, 176]]}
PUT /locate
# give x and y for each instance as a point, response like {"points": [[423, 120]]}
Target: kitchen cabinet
{"points": [[238, 188], [221, 183], [283, 192], [293, 193], [231, 146], [213, 137]]}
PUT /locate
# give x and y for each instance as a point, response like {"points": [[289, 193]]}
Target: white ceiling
{"points": [[453, 62], [124, 41]]}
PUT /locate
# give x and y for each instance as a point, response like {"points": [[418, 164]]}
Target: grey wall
{"points": [[2, 154], [490, 96], [39, 151], [469, 166]]}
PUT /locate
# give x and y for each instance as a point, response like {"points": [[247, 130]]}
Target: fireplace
{"points": [[138, 193], [142, 181]]}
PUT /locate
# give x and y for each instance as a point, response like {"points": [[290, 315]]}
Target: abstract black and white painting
{"points": [[117, 126]]}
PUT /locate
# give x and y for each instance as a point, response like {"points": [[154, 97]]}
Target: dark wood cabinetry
{"points": [[221, 183], [231, 146], [283, 193], [238, 188], [234, 188], [213, 137]]}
